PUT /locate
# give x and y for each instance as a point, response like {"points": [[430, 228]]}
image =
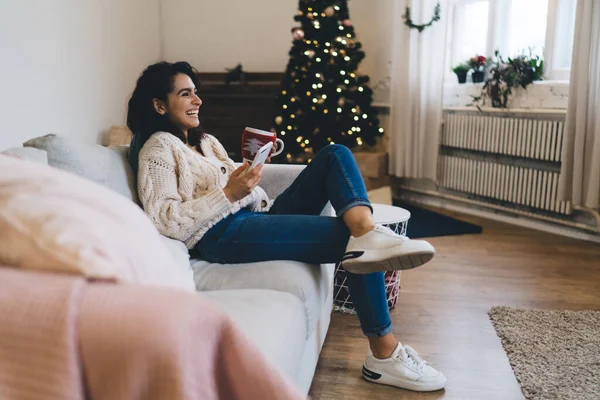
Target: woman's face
{"points": [[182, 104]]}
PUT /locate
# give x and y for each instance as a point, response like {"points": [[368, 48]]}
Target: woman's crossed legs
{"points": [[294, 230]]}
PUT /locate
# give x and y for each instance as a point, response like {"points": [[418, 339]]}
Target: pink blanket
{"points": [[62, 337]]}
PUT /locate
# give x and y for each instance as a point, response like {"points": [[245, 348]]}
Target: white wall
{"points": [[214, 35], [374, 26], [69, 66]]}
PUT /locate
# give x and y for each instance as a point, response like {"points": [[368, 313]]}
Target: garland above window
{"points": [[408, 21]]}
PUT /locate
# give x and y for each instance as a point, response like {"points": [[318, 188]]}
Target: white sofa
{"points": [[284, 306]]}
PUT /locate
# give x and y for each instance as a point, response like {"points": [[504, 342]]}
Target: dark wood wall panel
{"points": [[227, 109]]}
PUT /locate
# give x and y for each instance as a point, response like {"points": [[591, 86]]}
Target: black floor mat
{"points": [[424, 223]]}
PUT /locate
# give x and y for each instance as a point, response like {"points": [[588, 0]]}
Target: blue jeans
{"points": [[294, 230]]}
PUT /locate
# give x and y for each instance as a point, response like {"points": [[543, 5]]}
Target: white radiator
{"points": [[507, 158]]}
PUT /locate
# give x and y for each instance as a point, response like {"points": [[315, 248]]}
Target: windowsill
{"points": [[536, 83], [539, 95], [512, 110]]}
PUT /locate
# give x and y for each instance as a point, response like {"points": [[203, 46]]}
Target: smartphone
{"points": [[261, 156]]}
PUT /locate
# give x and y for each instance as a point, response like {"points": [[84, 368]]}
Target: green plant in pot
{"points": [[461, 71], [477, 65], [503, 76]]}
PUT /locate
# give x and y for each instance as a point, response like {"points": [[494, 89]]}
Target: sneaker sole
{"points": [[385, 379], [386, 262]]}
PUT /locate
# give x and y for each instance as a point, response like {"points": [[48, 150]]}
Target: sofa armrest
{"points": [[277, 177]]}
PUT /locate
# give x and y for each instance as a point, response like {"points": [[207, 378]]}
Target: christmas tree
{"points": [[324, 99]]}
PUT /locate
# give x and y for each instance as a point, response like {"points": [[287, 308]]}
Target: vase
{"points": [[462, 76], [477, 76]]}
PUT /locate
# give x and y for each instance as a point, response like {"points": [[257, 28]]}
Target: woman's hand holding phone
{"points": [[241, 183]]}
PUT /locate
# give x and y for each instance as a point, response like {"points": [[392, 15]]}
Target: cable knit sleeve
{"points": [[260, 201], [158, 190]]}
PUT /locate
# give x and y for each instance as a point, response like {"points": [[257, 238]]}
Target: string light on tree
{"points": [[324, 99]]}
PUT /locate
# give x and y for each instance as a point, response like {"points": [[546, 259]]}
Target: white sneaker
{"points": [[384, 250], [404, 369]]}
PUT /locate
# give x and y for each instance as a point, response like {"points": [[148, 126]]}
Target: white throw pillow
{"points": [[56, 221]]}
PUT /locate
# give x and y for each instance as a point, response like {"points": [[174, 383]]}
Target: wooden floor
{"points": [[442, 311]]}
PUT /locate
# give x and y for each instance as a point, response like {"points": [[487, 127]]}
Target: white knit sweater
{"points": [[182, 191]]}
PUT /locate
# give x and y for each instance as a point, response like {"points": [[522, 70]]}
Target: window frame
{"points": [[551, 72], [497, 25], [451, 44]]}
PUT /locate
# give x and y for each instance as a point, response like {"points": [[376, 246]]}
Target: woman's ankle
{"points": [[359, 220], [382, 354], [358, 231], [383, 347]]}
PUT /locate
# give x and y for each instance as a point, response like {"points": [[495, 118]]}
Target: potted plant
{"points": [[461, 71], [477, 65], [503, 76]]}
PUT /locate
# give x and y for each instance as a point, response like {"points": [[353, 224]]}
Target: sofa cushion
{"points": [[273, 320], [277, 177], [28, 153], [309, 283], [56, 221], [103, 165]]}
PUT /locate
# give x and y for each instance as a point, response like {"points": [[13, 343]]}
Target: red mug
{"points": [[253, 139]]}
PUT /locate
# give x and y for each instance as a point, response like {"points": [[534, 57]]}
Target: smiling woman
{"points": [[182, 104], [223, 216], [165, 99]]}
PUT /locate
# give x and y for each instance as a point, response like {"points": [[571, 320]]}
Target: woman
{"points": [[192, 191]]}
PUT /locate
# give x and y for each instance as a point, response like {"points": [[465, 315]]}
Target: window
{"points": [[544, 27], [472, 17], [525, 27], [561, 38]]}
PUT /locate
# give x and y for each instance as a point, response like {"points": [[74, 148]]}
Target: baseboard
{"points": [[495, 215]]}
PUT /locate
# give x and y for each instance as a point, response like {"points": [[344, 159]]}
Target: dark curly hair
{"points": [[156, 82]]}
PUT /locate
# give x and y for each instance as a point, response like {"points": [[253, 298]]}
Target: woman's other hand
{"points": [[240, 184]]}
